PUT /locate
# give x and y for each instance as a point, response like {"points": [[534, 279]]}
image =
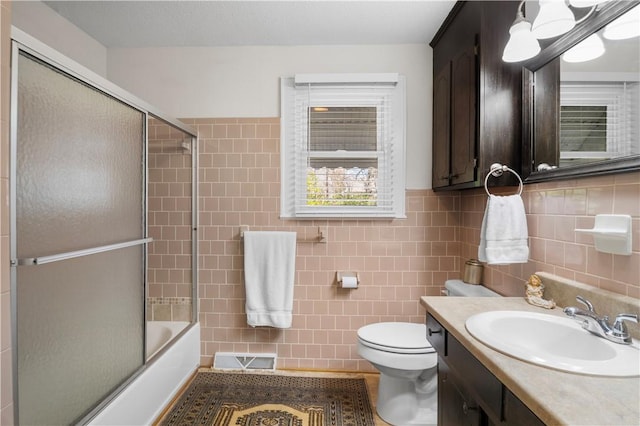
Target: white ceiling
{"points": [[232, 23]]}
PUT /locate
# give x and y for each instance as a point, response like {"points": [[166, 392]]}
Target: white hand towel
{"points": [[269, 272], [504, 237]]}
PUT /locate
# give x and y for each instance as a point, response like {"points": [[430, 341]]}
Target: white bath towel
{"points": [[269, 271], [504, 237]]}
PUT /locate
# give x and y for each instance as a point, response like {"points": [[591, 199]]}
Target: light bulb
{"points": [[522, 44], [588, 49], [554, 18], [626, 26]]}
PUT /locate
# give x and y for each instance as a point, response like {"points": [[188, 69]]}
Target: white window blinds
{"points": [[342, 146], [598, 120]]}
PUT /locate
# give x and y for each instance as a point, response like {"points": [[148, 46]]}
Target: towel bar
{"points": [[319, 238], [496, 170]]}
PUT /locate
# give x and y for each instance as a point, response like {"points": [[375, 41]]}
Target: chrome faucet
{"points": [[599, 326]]}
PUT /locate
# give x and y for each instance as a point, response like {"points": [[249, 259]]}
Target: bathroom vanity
{"points": [[479, 385], [468, 393]]}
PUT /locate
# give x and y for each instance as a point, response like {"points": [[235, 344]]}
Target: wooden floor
{"points": [[371, 379]]}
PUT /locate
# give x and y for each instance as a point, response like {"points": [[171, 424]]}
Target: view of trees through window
{"points": [[342, 166], [341, 187]]}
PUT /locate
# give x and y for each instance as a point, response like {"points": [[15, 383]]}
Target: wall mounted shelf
{"points": [[611, 233]]}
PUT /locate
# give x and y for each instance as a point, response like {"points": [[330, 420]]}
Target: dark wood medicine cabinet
{"points": [[544, 75], [487, 111], [476, 96]]}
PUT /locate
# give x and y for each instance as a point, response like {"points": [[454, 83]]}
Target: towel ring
{"points": [[496, 170]]}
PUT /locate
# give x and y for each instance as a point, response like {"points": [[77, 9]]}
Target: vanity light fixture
{"points": [[554, 18], [588, 49], [626, 26], [522, 44]]}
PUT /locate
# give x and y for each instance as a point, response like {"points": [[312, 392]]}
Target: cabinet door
{"points": [[455, 407], [441, 127], [463, 116], [546, 121]]}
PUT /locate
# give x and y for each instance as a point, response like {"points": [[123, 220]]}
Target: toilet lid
{"points": [[401, 337]]}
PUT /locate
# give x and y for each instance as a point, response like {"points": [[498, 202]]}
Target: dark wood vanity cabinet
{"points": [[476, 96], [468, 393], [455, 405]]}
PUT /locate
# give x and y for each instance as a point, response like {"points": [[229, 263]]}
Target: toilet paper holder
{"points": [[340, 279]]}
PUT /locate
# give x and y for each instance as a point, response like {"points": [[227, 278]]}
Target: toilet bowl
{"points": [[407, 391]]}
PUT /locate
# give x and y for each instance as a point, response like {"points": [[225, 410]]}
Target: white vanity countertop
{"points": [[556, 397]]}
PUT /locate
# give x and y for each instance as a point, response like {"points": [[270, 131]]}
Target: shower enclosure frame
{"points": [[22, 41]]}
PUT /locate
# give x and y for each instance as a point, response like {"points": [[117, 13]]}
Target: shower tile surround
{"points": [[398, 260], [169, 223]]}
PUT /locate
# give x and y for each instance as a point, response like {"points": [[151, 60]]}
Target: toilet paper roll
{"points": [[349, 282]]}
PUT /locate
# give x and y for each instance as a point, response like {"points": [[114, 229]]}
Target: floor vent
{"points": [[236, 361]]}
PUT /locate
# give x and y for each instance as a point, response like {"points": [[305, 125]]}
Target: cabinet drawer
{"points": [[436, 335], [486, 388]]}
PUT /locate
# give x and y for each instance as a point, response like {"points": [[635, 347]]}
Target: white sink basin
{"points": [[554, 342]]}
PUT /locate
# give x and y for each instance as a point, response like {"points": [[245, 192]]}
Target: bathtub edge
{"points": [[145, 398]]}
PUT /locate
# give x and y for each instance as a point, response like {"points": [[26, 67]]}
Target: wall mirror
{"points": [[582, 118]]}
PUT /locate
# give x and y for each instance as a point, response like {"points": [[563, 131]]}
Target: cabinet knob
{"points": [[432, 332]]}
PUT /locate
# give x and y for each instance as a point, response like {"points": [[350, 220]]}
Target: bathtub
{"points": [[159, 333], [143, 400]]}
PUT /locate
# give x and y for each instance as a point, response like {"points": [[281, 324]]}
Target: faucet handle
{"points": [[586, 303], [619, 324]]}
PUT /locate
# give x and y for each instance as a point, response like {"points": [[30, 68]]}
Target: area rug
{"points": [[222, 399]]}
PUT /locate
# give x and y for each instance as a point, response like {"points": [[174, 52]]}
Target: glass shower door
{"points": [[78, 243]]}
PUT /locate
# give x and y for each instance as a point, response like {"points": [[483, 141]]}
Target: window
{"points": [[597, 121], [342, 146]]}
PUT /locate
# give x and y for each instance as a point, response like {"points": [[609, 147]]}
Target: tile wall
{"points": [[6, 387], [398, 260], [169, 224], [554, 210]]}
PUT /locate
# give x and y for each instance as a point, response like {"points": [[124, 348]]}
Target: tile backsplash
{"points": [[398, 260], [554, 211]]}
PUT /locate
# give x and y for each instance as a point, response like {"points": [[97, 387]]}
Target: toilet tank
{"points": [[459, 288]]}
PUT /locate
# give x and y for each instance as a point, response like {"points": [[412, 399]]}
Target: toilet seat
{"points": [[396, 337]]}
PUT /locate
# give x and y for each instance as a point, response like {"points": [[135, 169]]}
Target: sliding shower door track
{"points": [[29, 261]]}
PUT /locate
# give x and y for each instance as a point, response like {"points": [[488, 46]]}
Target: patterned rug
{"points": [[221, 399]]}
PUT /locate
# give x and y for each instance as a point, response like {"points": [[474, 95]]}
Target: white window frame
{"points": [[294, 152]]}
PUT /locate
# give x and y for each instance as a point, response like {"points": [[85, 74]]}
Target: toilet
{"points": [[407, 391]]}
